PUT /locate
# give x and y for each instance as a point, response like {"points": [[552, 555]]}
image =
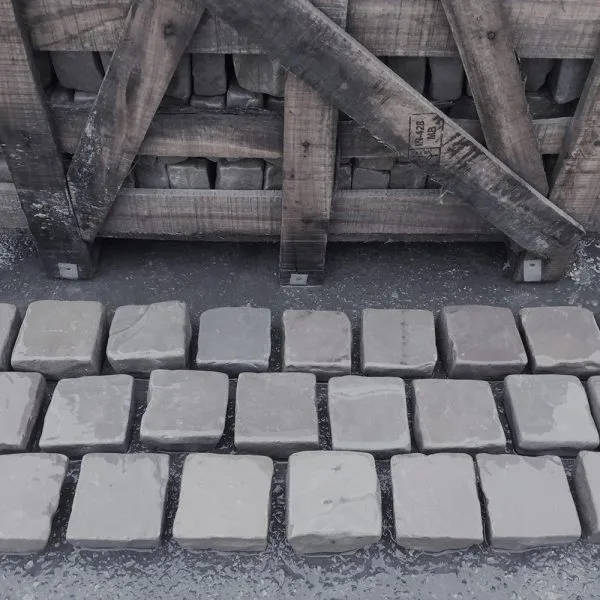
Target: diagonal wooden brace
{"points": [[313, 47]]}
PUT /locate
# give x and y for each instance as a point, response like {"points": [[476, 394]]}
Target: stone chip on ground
{"points": [[9, 327], [587, 489]]}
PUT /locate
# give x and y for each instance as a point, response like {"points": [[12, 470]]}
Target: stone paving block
{"points": [[186, 410], [405, 176], [456, 416], [343, 177], [210, 77], [242, 174], [436, 506], [447, 77], [587, 492], [562, 339], [535, 71], [78, 70], [333, 501], [276, 413], [193, 174], [147, 337], [241, 99], [180, 86], [411, 68], [151, 173], [5, 176], [258, 73], [89, 414], [568, 78], [225, 503], [481, 342], [61, 339], [398, 342], [368, 179], [275, 103], [234, 339], [208, 102], [376, 164], [368, 414], [527, 500], [119, 501], [549, 413], [317, 341], [9, 328], [273, 177], [21, 395], [29, 497]]}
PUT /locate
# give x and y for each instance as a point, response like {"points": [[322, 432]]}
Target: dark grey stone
{"points": [[587, 488], [242, 174], [193, 174], [568, 78], [78, 70], [180, 86], [376, 164], [447, 78], [61, 95], [535, 71], [275, 103], [411, 68], [241, 99], [151, 173], [9, 328], [258, 73], [404, 176], [208, 102], [273, 177], [210, 77], [368, 179], [343, 177], [44, 67]]}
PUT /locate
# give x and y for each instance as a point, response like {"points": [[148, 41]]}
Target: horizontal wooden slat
{"points": [[542, 28]]}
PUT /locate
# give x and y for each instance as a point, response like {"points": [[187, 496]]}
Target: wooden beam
{"points": [[32, 155], [154, 37], [311, 46]]}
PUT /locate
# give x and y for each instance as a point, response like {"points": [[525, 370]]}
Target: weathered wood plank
{"points": [[542, 29], [32, 155], [154, 37], [311, 46]]}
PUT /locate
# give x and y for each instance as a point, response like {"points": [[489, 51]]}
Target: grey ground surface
{"points": [[358, 276]]}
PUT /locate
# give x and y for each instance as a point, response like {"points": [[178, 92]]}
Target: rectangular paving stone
{"points": [[151, 173], [333, 501], [225, 503], [61, 339], [562, 339], [568, 78], [436, 506], [593, 392], [242, 174], [527, 500], [276, 413], [411, 68], [119, 501], [147, 337], [9, 327], [78, 70], [368, 414], [234, 339], [29, 497], [457, 416], [447, 78], [193, 174], [258, 73], [21, 396], [398, 342], [368, 179], [89, 414], [481, 342], [241, 99], [587, 491], [180, 86], [210, 77], [549, 413], [186, 410], [317, 341]]}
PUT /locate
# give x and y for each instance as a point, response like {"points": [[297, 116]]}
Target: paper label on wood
{"points": [[425, 137]]}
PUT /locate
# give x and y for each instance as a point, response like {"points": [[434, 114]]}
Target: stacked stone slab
{"points": [[78, 70], [587, 487], [240, 99], [210, 77], [9, 327], [447, 78], [193, 174], [411, 68], [535, 71], [240, 174], [257, 73]]}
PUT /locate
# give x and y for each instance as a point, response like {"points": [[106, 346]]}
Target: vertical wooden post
{"points": [[32, 154], [309, 158]]}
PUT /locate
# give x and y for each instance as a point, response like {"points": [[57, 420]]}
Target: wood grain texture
{"points": [[154, 37], [311, 46], [31, 152]]}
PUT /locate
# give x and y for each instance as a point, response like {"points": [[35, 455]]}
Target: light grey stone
{"points": [[210, 77], [436, 506], [61, 95], [151, 173], [398, 342], [225, 503], [44, 67], [29, 497], [78, 70], [368, 414], [234, 339], [147, 337], [81, 97], [276, 413], [119, 501], [527, 500], [568, 78], [317, 341], [186, 410], [447, 78], [549, 413], [258, 73], [593, 392], [456, 416], [368, 179], [343, 177], [376, 164], [411, 68], [180, 86], [21, 396], [240, 99], [275, 103], [208, 102], [61, 339], [562, 339], [89, 414], [333, 501], [405, 176], [9, 328], [587, 491], [481, 342], [273, 177], [534, 71], [5, 177], [193, 174], [242, 174]]}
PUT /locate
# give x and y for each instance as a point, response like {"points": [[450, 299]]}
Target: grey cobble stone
{"points": [[29, 497], [210, 78], [225, 503], [258, 73], [333, 501], [405, 176], [411, 68], [208, 102], [241, 99], [192, 174], [119, 501], [343, 177], [436, 506], [89, 414], [368, 179], [273, 177], [9, 328], [78, 70], [535, 71], [317, 341], [180, 86], [549, 413], [447, 77], [527, 500], [368, 414], [587, 488], [456, 416], [568, 78], [242, 174], [186, 410], [481, 342], [151, 173], [61, 339], [276, 413], [147, 337]]}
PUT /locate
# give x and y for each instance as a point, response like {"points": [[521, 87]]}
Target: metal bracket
{"points": [[532, 270], [68, 271]]}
